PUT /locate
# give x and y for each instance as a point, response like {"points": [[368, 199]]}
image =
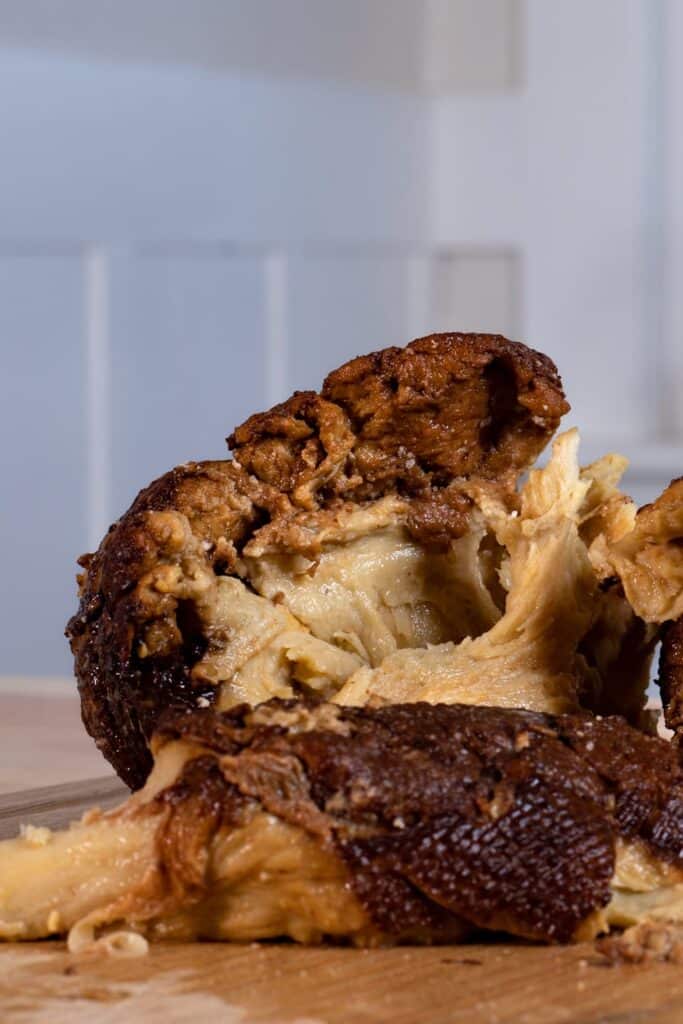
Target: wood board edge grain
{"points": [[56, 806], [224, 983]]}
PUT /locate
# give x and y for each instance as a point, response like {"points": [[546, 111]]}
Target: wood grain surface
{"points": [[42, 739], [56, 806], [285, 984]]}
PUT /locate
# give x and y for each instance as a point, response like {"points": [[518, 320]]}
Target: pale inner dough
{"points": [[46, 888], [302, 624], [510, 614], [264, 878], [644, 888]]}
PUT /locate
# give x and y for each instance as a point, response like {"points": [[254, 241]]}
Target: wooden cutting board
{"points": [[279, 983]]}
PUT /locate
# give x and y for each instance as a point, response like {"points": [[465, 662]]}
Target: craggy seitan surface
{"points": [[412, 425], [407, 823]]}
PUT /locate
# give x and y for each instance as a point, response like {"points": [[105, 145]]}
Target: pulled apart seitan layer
{"points": [[407, 823], [369, 544]]}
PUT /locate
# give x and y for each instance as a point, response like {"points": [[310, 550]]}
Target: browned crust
{"points": [[651, 530], [412, 420], [122, 695], [504, 819], [417, 421], [671, 675]]}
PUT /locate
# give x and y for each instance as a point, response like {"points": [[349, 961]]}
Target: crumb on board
{"points": [[35, 835], [647, 942]]}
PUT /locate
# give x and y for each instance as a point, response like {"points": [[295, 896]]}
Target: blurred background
{"points": [[205, 204]]}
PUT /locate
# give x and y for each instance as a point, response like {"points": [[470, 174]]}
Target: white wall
{"points": [[180, 247], [364, 42], [153, 222], [408, 45], [473, 46], [139, 153], [574, 173]]}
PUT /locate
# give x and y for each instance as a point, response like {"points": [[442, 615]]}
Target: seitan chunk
{"points": [[407, 823]]}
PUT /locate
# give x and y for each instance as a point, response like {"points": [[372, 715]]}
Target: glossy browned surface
{"points": [[506, 820]]}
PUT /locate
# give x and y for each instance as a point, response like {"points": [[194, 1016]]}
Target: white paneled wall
{"points": [[578, 172], [180, 248], [143, 153], [478, 291], [356, 41], [557, 171], [474, 45], [188, 357], [670, 221], [342, 304], [44, 457]]}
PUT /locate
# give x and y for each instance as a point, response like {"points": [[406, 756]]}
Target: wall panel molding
{"points": [[673, 237], [97, 397]]}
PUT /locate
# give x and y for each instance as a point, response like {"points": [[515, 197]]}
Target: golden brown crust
{"points": [[649, 560], [411, 420], [123, 693], [420, 422], [459, 404], [671, 675]]}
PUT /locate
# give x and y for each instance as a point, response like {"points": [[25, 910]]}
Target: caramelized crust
{"points": [[407, 823], [121, 692], [411, 420], [419, 423], [671, 675], [505, 820]]}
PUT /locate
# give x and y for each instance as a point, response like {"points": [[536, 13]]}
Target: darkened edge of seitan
{"points": [[671, 675], [504, 819]]}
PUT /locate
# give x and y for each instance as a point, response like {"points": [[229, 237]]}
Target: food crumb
{"points": [[35, 835]]}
